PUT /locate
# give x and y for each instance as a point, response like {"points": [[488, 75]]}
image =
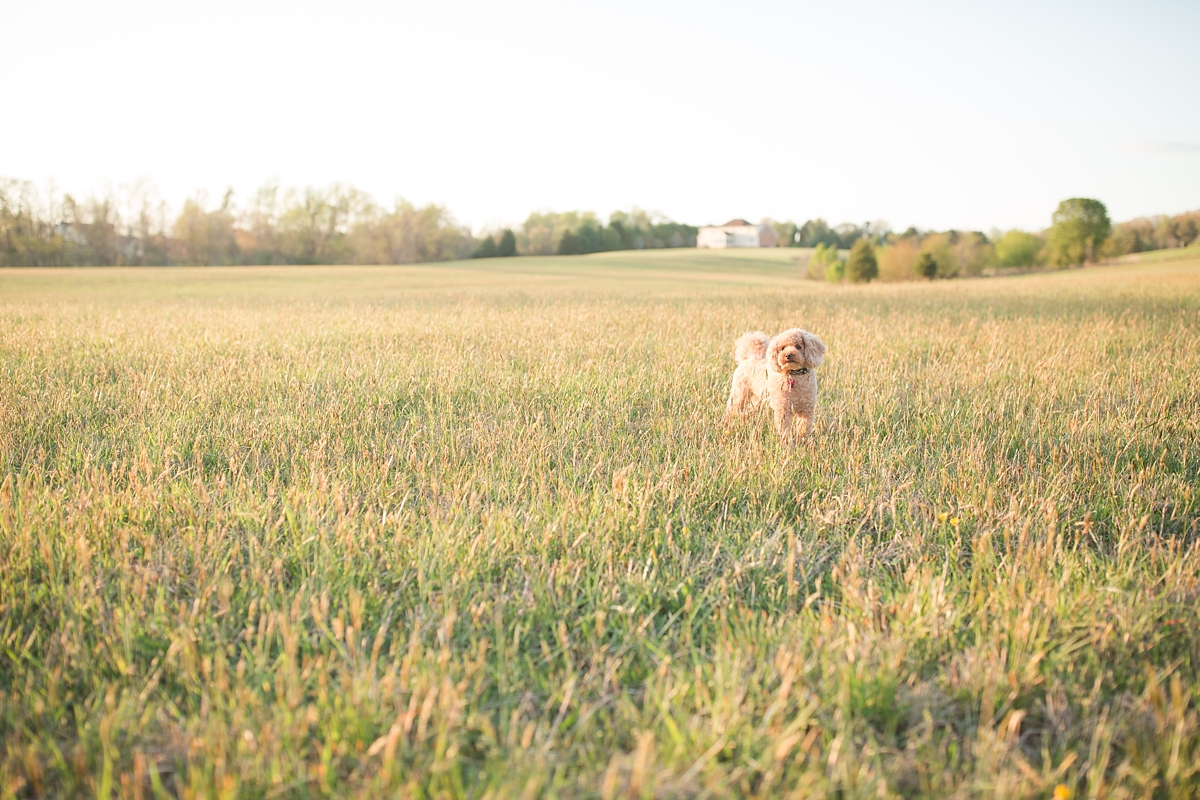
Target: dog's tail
{"points": [[750, 346]]}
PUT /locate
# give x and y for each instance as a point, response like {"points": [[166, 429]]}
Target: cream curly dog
{"points": [[783, 371]]}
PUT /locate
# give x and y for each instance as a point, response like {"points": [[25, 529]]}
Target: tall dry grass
{"points": [[478, 531]]}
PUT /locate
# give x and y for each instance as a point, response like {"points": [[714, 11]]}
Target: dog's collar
{"points": [[791, 376]]}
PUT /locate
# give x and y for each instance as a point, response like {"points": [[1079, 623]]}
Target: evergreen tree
{"points": [[927, 266], [569, 245], [508, 244], [862, 265], [487, 248]]}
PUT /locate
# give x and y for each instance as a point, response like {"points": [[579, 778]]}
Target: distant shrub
{"points": [[1019, 249], [824, 257], [898, 259], [973, 252], [937, 246], [927, 267], [862, 266]]}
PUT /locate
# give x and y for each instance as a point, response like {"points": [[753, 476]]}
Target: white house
{"points": [[736, 233]]}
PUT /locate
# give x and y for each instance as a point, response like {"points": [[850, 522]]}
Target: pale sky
{"points": [[940, 115]]}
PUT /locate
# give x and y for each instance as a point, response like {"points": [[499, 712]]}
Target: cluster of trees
{"points": [[337, 224], [1080, 233], [332, 225], [1153, 233], [915, 255], [570, 233], [577, 233], [497, 247], [910, 255], [817, 232], [860, 264]]}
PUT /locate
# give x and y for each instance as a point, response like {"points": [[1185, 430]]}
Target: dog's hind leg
{"points": [[741, 395]]}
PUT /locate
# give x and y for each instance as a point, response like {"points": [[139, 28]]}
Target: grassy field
{"points": [[477, 530]]}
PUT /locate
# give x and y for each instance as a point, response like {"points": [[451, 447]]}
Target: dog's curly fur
{"points": [[781, 370]]}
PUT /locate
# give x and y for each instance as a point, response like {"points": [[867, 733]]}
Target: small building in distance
{"points": [[736, 233]]}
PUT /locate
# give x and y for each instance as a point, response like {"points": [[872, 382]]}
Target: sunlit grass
{"points": [[477, 529]]}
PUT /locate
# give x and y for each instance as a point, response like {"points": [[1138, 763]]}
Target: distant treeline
{"points": [[634, 231], [341, 225], [817, 232], [1153, 233], [332, 225], [1080, 233], [572, 233]]}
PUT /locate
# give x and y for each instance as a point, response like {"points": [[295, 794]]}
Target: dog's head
{"points": [[795, 351]]}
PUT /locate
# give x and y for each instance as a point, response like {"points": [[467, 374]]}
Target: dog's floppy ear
{"points": [[814, 348], [773, 347]]}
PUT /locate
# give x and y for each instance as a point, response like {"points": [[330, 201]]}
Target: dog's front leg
{"points": [[784, 423], [801, 424], [792, 425]]}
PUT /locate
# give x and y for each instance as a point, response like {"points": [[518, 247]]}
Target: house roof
{"points": [[736, 223]]}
